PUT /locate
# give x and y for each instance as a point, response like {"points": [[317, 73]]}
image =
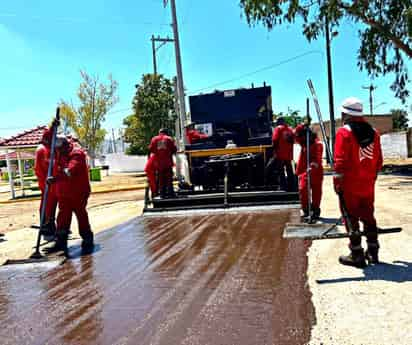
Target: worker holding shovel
{"points": [[310, 174], [73, 191], [358, 159]]}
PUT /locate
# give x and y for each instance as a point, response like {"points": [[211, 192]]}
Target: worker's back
{"points": [[163, 147]]}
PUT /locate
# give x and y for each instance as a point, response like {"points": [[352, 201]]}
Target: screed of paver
{"points": [[216, 279]]}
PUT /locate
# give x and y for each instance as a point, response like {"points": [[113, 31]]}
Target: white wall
{"points": [[119, 162], [394, 145]]}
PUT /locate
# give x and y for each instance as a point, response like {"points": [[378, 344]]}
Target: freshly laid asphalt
{"points": [[211, 279]]}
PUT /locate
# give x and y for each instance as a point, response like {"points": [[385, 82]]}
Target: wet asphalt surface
{"points": [[214, 279]]}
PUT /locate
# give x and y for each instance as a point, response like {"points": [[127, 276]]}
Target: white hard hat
{"points": [[352, 106]]}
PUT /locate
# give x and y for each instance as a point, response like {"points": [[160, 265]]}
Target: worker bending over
{"points": [[282, 140], [41, 167], [358, 159], [192, 134], [71, 178], [315, 168], [162, 147]]}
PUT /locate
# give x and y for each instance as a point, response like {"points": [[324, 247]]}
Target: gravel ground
{"points": [[370, 306]]}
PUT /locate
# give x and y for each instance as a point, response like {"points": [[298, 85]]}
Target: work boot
{"points": [[371, 254], [305, 213], [48, 231], [315, 213], [88, 241], [61, 243], [356, 258]]}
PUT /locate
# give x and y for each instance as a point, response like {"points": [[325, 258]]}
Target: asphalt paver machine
{"points": [[231, 167]]}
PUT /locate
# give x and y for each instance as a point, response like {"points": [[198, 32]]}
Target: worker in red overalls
{"points": [[41, 166], [163, 148], [358, 159], [71, 178], [282, 140], [150, 170], [192, 134], [316, 171]]}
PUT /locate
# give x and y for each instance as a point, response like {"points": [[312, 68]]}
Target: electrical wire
{"points": [[263, 69]]}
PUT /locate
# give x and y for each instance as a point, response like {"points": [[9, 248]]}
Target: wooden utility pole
{"points": [[371, 88], [162, 41]]}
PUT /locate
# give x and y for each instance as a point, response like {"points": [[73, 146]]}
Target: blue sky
{"points": [[45, 43]]}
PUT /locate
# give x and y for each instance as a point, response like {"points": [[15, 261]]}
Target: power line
{"points": [[258, 71], [76, 20]]}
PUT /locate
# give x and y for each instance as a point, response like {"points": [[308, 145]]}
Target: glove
{"points": [[50, 180], [56, 123], [338, 184]]}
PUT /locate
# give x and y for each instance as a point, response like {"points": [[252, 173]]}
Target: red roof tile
{"points": [[31, 137]]}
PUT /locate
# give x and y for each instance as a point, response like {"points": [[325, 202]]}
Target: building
{"points": [[383, 123]]}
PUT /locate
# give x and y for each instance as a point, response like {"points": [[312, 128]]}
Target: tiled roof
{"points": [[31, 137]]}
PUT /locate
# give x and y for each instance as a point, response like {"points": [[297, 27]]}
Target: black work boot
{"points": [[315, 213], [61, 243], [305, 213], [48, 231], [356, 258], [371, 254], [88, 241]]}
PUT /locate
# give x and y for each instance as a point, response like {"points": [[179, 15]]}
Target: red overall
{"points": [[316, 173], [41, 166], [150, 169], [282, 140], [163, 148], [73, 190], [358, 168], [193, 135]]}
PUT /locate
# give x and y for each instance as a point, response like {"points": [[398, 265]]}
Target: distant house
{"points": [[383, 123]]}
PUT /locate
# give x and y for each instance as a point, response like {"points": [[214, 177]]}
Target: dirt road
{"points": [[370, 306], [105, 211], [23, 214]]}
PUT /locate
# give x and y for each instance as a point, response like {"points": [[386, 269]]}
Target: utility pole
{"points": [[114, 142], [154, 55], [180, 85], [330, 87], [371, 88], [162, 41]]}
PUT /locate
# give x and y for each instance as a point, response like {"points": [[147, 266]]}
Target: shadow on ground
{"points": [[397, 272]]}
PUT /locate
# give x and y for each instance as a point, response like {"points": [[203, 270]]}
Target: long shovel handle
{"points": [[49, 174]]}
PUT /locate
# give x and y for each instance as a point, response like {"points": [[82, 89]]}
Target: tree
{"points": [[399, 119], [385, 30], [292, 117], [153, 106], [86, 119]]}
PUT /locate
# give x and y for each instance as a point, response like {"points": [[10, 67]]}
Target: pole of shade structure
{"points": [[10, 172]]}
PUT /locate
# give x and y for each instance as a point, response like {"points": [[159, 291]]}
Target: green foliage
{"points": [[399, 119], [385, 30], [86, 119], [292, 117], [153, 106]]}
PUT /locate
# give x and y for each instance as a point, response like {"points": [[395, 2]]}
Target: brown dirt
{"points": [[23, 214]]}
